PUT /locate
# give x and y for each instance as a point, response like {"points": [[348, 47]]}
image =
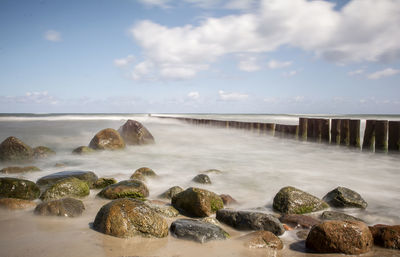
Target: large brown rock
{"points": [[143, 173], [132, 188], [348, 237], [16, 204], [262, 239], [66, 207], [134, 133], [88, 176], [130, 217], [107, 139], [12, 149], [386, 236], [342, 197], [18, 188], [197, 202], [67, 187], [298, 220]]}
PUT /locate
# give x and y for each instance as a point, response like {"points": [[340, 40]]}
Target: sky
{"points": [[200, 56]]}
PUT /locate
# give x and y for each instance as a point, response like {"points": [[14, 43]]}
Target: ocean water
{"points": [[254, 168]]}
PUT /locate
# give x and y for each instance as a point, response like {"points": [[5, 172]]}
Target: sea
{"points": [[254, 168]]}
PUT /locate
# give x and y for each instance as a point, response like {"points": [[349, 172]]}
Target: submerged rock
{"points": [[67, 187], [42, 152], [18, 188], [130, 217], [227, 199], [213, 171], [343, 197], [88, 176], [12, 149], [197, 202], [125, 189], [81, 150], [298, 220], [334, 215], [202, 179], [16, 204], [134, 133], [197, 231], [262, 239], [386, 236], [104, 182], [66, 207], [107, 139], [14, 169], [143, 173], [171, 192], [348, 237], [250, 220], [294, 201]]}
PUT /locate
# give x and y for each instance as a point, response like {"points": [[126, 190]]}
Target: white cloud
{"points": [[233, 96], [123, 62], [273, 64], [356, 72], [143, 70], [383, 73], [248, 63], [290, 73], [52, 35], [194, 95]]}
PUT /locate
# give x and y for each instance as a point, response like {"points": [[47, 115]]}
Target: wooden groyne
{"points": [[379, 135]]}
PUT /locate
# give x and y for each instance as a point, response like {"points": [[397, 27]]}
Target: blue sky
{"points": [[220, 56]]}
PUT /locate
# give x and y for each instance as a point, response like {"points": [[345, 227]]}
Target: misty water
{"points": [[254, 167]]}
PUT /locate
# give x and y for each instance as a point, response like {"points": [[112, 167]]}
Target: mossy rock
{"points": [[291, 200], [104, 182], [342, 197], [202, 179], [197, 202], [134, 133], [42, 152], [66, 207], [81, 150], [171, 192], [143, 173], [18, 188], [88, 176], [16, 204], [13, 150], [67, 187], [15, 169], [125, 189], [107, 139], [164, 210]]}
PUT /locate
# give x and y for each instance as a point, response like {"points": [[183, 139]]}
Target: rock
{"points": [[334, 215], [104, 182], [107, 139], [60, 165], [67, 187], [164, 210], [197, 231], [66, 207], [262, 239], [143, 173], [171, 192], [386, 236], [42, 152], [348, 237], [14, 169], [197, 202], [88, 176], [227, 199], [18, 188], [213, 171], [291, 200], [211, 220], [12, 149], [83, 150], [250, 220], [16, 204], [130, 217], [202, 179], [125, 189], [345, 198], [298, 220], [302, 234], [134, 133]]}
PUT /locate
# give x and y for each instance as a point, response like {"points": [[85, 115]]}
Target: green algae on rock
{"points": [[132, 188], [16, 169], [67, 187], [88, 176], [18, 188], [104, 182], [143, 173], [171, 192], [81, 150]]}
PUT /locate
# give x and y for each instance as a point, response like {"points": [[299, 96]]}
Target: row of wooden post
{"points": [[379, 135]]}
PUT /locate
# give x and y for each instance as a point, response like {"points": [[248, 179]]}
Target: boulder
{"points": [[125, 189], [348, 237], [211, 220], [88, 176], [197, 202], [107, 139], [291, 200], [81, 150], [130, 217], [334, 215], [343, 197], [298, 220], [67, 187], [386, 236], [302, 234], [262, 239], [171, 192], [250, 220], [227, 199], [14, 169], [18, 188], [134, 133], [164, 210], [16, 204], [104, 182], [143, 173], [202, 179], [66, 207], [12, 149], [197, 231], [42, 152]]}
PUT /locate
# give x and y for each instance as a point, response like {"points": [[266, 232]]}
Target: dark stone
{"points": [[197, 231], [67, 187], [202, 179], [302, 234], [132, 188], [298, 220], [88, 176], [42, 152], [342, 197], [143, 173], [12, 149], [107, 139], [262, 239], [250, 220], [16, 204], [171, 192], [104, 182], [386, 236], [334, 215], [66, 207], [83, 150], [134, 133], [18, 188], [227, 199], [12, 170]]}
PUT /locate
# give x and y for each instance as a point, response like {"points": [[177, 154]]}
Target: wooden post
{"points": [[381, 136], [394, 136], [335, 131], [369, 136], [256, 127], [312, 130], [323, 130], [354, 140], [303, 129], [277, 132], [345, 132]]}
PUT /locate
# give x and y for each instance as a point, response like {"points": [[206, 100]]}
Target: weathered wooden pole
{"points": [[335, 131], [381, 136], [277, 132], [311, 130], [369, 136], [354, 139], [303, 129], [394, 136], [345, 132], [323, 130]]}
